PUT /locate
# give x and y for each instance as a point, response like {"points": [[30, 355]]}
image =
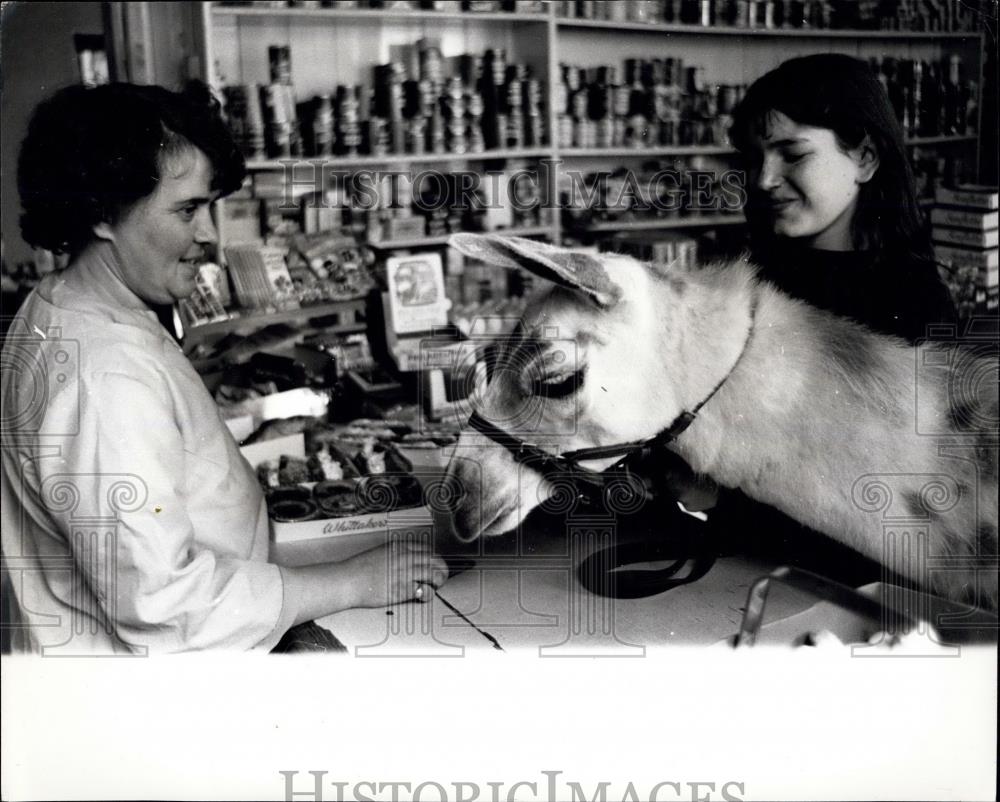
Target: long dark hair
{"points": [[842, 94]]}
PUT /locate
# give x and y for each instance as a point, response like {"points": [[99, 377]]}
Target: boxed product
{"points": [[417, 302], [972, 219], [964, 232], [260, 277], [210, 297], [442, 346], [325, 507], [965, 237], [969, 195], [987, 259], [416, 314]]}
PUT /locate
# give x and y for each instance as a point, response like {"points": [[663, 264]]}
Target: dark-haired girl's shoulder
{"points": [[899, 295], [920, 298]]}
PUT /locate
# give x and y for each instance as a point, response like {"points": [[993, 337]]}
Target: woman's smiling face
{"points": [[805, 184], [161, 240]]}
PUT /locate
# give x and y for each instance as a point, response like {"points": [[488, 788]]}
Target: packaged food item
{"points": [[293, 493], [293, 511], [350, 471], [323, 467], [268, 474], [337, 498], [293, 471]]}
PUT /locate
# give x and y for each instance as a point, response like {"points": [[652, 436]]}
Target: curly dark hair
{"points": [[91, 153], [842, 94]]}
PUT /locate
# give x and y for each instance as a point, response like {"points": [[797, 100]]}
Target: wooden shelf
{"points": [[373, 15], [424, 242], [347, 162], [544, 40], [720, 150], [695, 221], [247, 323], [726, 30], [642, 153], [344, 162]]}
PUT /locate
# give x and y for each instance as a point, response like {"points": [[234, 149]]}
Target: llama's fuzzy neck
{"points": [[765, 402], [709, 323]]}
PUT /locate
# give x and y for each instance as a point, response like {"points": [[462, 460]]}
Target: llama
{"points": [[808, 412]]}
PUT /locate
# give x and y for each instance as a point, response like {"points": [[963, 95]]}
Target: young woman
{"points": [[130, 521], [833, 221], [830, 196]]}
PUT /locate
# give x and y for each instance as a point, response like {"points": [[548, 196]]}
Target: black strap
{"points": [[688, 543], [668, 435]]}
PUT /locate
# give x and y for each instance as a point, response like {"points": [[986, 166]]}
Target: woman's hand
{"points": [[403, 570]]}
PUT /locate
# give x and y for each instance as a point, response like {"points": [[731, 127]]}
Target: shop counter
{"points": [[522, 594]]}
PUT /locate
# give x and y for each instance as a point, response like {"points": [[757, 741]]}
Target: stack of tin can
{"points": [[347, 129], [245, 119], [658, 102], [525, 93], [453, 102], [413, 107], [321, 142], [278, 103], [906, 15]]}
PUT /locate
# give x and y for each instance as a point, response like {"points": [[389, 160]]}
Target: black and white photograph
{"points": [[499, 400]]}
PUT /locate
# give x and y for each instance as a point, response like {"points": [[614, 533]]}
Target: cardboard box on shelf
{"points": [[416, 298], [969, 195], [438, 348], [986, 259], [973, 219], [416, 315], [260, 277], [965, 237]]}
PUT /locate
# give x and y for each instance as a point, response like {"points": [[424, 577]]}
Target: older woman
{"points": [[130, 521]]}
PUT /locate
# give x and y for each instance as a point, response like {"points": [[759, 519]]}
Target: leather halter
{"points": [[589, 484]]}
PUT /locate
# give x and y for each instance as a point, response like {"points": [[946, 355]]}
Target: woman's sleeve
{"points": [[160, 589]]}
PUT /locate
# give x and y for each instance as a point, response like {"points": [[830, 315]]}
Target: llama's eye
{"points": [[558, 385]]}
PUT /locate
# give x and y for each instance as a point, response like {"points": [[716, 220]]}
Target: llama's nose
{"points": [[457, 498], [451, 492]]}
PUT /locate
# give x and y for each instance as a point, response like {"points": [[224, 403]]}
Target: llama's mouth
{"points": [[477, 519], [505, 520]]}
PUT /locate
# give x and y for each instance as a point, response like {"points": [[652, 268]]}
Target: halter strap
{"points": [[568, 462]]}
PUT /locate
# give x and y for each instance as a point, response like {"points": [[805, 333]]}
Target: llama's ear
{"points": [[573, 269], [482, 247]]}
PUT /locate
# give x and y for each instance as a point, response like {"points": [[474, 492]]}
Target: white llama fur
{"points": [[815, 404]]}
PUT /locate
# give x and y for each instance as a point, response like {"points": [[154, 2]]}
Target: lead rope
{"points": [[690, 543]]}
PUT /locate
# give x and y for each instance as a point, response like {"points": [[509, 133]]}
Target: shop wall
{"points": [[37, 56]]}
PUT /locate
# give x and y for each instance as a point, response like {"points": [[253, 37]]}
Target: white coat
{"points": [[130, 522]]}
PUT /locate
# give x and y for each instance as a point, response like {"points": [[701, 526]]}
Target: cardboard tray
{"points": [[332, 539]]}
